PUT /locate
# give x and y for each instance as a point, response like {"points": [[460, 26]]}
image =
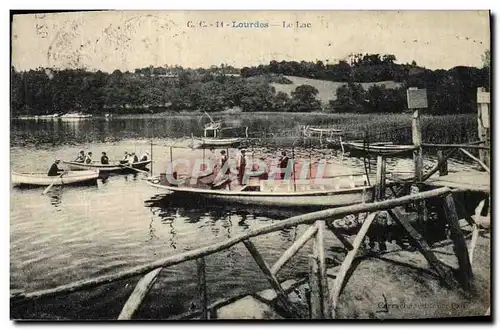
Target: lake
{"points": [[77, 233]]}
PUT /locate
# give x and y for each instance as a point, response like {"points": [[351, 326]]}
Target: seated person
{"points": [[104, 159], [145, 157], [54, 169], [81, 157], [88, 160]]}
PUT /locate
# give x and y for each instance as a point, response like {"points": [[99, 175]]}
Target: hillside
{"points": [[327, 89]]}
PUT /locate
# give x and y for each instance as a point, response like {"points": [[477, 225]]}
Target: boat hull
{"points": [[378, 149], [74, 166], [204, 143], [42, 179], [308, 199]]}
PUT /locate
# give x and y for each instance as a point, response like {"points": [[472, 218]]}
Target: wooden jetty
{"points": [[327, 285], [324, 294]]}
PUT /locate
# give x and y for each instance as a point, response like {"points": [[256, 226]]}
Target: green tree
{"points": [[304, 99]]}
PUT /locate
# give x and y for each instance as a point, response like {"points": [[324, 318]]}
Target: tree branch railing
{"points": [[323, 301]]}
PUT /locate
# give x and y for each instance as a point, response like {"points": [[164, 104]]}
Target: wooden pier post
{"points": [[444, 273], [417, 142], [459, 243], [202, 287], [443, 167], [417, 99], [315, 286], [292, 250], [137, 296], [151, 157], [280, 293], [380, 183], [317, 275], [483, 123], [334, 292]]}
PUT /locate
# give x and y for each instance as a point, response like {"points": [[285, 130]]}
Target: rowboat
{"points": [[75, 115], [209, 142], [107, 168], [378, 149], [279, 193], [324, 131], [42, 179]]}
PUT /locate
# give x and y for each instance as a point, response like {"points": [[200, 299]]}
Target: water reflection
{"points": [[243, 220], [221, 220], [55, 195], [152, 231]]}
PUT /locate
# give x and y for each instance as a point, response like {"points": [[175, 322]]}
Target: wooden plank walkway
{"points": [[473, 181], [463, 180]]}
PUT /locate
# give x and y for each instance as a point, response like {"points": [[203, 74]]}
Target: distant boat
{"points": [[323, 131], [212, 136], [208, 142], [53, 116], [72, 115], [378, 149], [332, 135], [42, 179], [106, 168]]}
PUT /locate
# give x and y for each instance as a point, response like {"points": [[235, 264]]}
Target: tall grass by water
{"points": [[395, 128], [276, 126]]}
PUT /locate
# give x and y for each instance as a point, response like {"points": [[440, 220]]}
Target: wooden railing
{"points": [[324, 300]]}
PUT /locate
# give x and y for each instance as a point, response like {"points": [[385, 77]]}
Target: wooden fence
{"points": [[324, 300]]}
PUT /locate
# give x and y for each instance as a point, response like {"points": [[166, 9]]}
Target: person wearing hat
{"points": [[104, 158], [81, 157], [54, 169], [145, 156], [241, 163], [134, 157], [283, 164], [88, 159], [125, 158]]}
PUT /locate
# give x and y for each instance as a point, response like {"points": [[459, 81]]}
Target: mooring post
{"points": [[317, 275], [315, 305], [380, 183], [459, 243], [417, 142], [282, 297], [483, 123], [202, 287], [419, 164], [443, 168]]}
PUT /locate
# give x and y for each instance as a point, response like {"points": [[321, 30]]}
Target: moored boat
{"points": [[389, 149], [209, 142], [107, 168], [42, 179], [329, 193], [75, 115]]}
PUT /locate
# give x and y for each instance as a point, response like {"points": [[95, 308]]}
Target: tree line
{"points": [[149, 90]]}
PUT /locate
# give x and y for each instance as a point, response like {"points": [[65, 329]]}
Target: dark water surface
{"points": [[77, 233]]}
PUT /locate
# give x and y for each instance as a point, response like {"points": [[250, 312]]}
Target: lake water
{"points": [[77, 233]]}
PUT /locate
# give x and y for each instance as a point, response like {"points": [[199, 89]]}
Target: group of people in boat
{"points": [[83, 158], [129, 158], [241, 164]]}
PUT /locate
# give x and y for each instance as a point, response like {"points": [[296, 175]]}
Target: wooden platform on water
{"points": [[472, 181], [467, 181]]}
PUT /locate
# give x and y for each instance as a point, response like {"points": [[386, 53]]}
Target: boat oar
{"points": [[53, 182], [135, 169]]}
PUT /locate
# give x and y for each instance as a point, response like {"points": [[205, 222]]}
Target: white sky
{"points": [[127, 40]]}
